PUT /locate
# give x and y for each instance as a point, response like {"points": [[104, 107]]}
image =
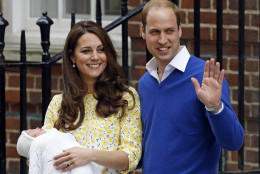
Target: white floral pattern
{"points": [[111, 133]]}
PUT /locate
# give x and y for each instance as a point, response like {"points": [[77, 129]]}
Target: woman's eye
{"points": [[86, 51], [101, 50]]}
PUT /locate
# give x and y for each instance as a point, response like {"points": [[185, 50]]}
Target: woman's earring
{"points": [[74, 65]]}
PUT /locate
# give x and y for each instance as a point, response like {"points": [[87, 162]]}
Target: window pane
{"points": [[80, 7], [112, 7], [38, 6]]}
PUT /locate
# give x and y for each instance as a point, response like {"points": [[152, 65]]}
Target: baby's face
{"points": [[35, 132]]}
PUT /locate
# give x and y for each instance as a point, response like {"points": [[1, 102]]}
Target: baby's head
{"points": [[35, 132], [25, 140]]}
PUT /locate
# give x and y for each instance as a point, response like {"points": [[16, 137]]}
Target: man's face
{"points": [[162, 34]]}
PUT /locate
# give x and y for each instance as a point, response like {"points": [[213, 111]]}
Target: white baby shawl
{"points": [[50, 144]]}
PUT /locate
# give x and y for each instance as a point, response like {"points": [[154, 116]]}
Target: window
{"points": [[23, 14]]}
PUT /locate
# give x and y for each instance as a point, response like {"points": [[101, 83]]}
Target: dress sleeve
{"points": [[131, 131], [52, 112]]}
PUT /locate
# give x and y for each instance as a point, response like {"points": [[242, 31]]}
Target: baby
{"points": [[40, 147]]}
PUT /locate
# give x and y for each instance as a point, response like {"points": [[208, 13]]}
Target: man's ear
{"points": [[180, 31], [143, 32]]}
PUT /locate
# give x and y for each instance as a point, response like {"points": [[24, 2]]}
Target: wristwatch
{"points": [[214, 108]]}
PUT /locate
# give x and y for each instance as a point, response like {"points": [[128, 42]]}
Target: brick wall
{"points": [[207, 49]]}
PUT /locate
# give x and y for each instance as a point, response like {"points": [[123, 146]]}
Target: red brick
{"points": [[11, 152], [247, 140], [233, 35], [251, 5], [12, 96], [251, 65], [35, 97], [255, 111], [35, 70], [234, 156], [207, 47], [233, 64], [14, 81], [224, 4], [13, 137], [30, 82], [247, 20], [252, 126], [54, 83], [56, 70], [13, 166], [139, 58], [254, 140], [186, 4], [35, 123], [247, 111], [233, 4], [137, 73], [12, 123], [137, 19], [183, 17], [232, 79], [231, 167], [134, 30], [138, 44], [15, 107], [255, 20], [251, 35], [251, 96], [205, 4], [251, 156], [30, 108], [187, 33], [230, 49], [255, 51], [255, 81], [205, 34], [230, 19], [38, 83], [190, 18], [133, 3], [208, 17]]}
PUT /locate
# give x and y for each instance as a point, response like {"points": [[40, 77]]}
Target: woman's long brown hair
{"points": [[109, 87]]}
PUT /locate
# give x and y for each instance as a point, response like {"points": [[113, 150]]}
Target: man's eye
{"points": [[154, 32], [170, 31]]}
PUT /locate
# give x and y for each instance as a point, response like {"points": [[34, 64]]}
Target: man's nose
{"points": [[163, 38]]}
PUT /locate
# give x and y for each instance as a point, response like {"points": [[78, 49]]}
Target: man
{"points": [[185, 106]]}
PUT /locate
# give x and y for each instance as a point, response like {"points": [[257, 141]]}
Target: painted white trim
{"points": [[16, 12]]}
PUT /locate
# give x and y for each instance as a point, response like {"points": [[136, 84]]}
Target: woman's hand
{"points": [[72, 158], [79, 156]]}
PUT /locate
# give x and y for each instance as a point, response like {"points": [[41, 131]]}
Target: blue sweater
{"points": [[180, 136]]}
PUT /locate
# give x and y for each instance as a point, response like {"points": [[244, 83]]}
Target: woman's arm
{"points": [[79, 156]]}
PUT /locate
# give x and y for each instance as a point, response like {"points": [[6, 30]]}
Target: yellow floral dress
{"points": [[108, 134]]}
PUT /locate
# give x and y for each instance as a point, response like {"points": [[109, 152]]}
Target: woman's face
{"points": [[89, 57]]}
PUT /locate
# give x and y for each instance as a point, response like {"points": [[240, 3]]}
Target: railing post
{"points": [[98, 13], [197, 28], [72, 19], [3, 24], [23, 166], [241, 75], [125, 38], [45, 24]]}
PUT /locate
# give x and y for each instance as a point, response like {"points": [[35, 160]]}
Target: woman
{"points": [[96, 106]]}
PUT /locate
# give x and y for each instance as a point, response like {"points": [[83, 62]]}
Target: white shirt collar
{"points": [[179, 62]]}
